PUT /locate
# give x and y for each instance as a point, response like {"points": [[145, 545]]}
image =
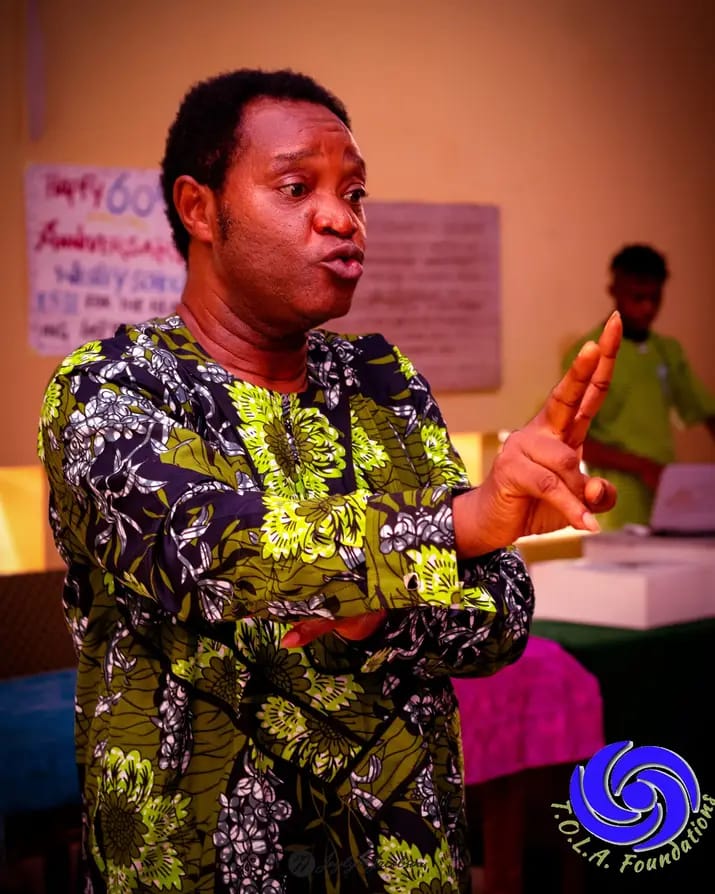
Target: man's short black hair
{"points": [[203, 137], [640, 260]]}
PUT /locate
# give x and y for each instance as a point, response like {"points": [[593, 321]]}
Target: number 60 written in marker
{"points": [[140, 200]]}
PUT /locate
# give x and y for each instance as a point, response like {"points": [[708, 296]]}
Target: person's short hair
{"points": [[640, 260], [205, 134]]}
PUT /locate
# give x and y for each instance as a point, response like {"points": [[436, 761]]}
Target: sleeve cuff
{"points": [[411, 559]]}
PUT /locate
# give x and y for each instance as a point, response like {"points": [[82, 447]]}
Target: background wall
{"points": [[589, 123]]}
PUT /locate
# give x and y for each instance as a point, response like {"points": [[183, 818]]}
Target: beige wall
{"points": [[589, 123]]}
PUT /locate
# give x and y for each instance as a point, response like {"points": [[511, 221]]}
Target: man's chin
{"points": [[635, 333], [330, 307]]}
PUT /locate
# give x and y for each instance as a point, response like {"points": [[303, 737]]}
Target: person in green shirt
{"points": [[631, 438]]}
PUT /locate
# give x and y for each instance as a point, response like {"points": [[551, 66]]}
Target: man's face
{"points": [[638, 300], [290, 233]]}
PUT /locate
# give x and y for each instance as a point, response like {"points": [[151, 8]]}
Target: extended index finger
{"points": [[597, 389]]}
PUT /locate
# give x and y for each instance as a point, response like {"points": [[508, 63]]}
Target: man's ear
{"points": [[196, 205]]}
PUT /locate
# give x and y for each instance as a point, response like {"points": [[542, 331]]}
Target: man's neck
{"points": [[274, 362]]}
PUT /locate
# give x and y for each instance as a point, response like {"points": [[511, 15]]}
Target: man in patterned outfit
{"points": [[275, 560]]}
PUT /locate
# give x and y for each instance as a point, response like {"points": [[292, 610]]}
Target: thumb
{"points": [[599, 495]]}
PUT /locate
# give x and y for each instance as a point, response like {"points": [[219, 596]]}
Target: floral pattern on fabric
{"points": [[200, 516], [133, 842]]}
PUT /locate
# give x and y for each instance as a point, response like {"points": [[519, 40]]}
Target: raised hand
{"points": [[536, 484]]}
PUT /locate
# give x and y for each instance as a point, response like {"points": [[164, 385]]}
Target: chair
{"points": [[39, 791]]}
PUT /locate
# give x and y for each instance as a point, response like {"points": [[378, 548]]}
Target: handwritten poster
{"points": [[431, 286], [100, 253]]}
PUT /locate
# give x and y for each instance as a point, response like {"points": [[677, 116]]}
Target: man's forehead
{"points": [[636, 283], [638, 279], [279, 127]]}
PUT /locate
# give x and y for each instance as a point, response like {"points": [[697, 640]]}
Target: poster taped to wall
{"points": [[101, 254], [431, 286]]}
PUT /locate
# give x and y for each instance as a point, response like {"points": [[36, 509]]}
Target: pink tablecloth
{"points": [[544, 709]]}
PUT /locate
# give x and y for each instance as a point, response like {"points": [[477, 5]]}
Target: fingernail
{"points": [[599, 494], [290, 640], [590, 522]]}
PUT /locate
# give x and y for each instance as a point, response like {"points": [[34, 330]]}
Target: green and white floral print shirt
{"points": [[199, 516]]}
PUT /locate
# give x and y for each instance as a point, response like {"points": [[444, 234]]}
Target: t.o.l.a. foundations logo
{"points": [[634, 809]]}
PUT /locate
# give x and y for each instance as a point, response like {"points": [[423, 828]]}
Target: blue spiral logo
{"points": [[656, 791]]}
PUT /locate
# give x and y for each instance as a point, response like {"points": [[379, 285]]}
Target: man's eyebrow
{"points": [[282, 159]]}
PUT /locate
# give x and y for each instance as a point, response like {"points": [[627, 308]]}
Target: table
{"points": [[657, 685], [543, 709], [37, 759], [38, 772]]}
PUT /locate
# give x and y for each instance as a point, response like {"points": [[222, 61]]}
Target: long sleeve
{"points": [[429, 641], [487, 625]]}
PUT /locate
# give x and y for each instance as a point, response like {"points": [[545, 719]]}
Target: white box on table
{"points": [[627, 594], [621, 546]]}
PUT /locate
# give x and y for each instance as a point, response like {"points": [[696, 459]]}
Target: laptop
{"points": [[681, 529], [684, 504]]}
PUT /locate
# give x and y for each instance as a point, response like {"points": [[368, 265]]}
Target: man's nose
{"points": [[333, 216]]}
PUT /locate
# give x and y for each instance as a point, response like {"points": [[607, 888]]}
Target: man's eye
{"points": [[294, 190], [355, 196]]}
